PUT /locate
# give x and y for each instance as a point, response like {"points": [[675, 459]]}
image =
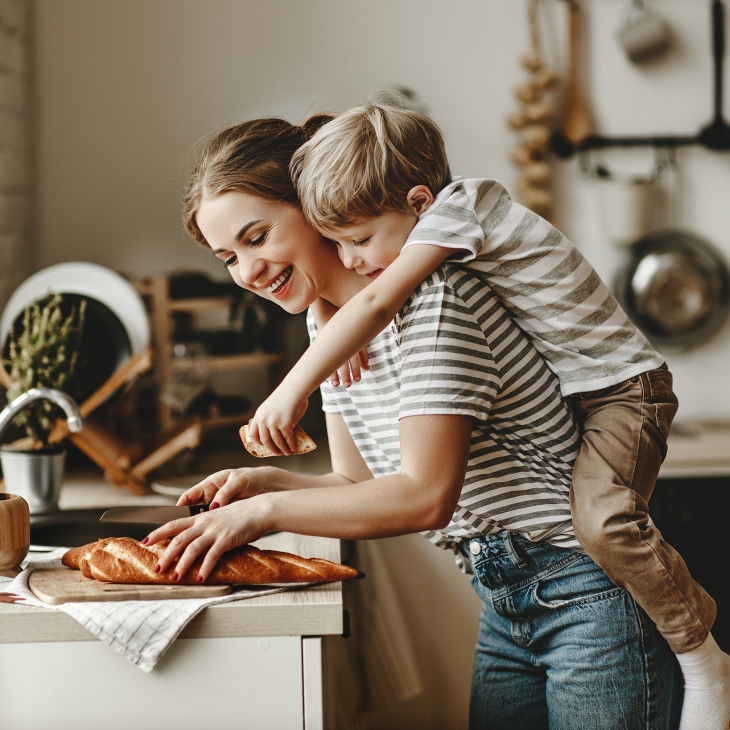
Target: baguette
{"points": [[71, 558], [124, 560], [76, 558], [305, 444]]}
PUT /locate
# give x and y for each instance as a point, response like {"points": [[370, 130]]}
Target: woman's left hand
{"points": [[216, 532]]}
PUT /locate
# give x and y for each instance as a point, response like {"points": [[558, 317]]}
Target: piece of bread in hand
{"points": [[304, 444], [124, 560]]}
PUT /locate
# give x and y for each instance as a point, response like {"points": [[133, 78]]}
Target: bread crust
{"points": [[305, 444], [124, 560], [77, 558], [71, 558]]}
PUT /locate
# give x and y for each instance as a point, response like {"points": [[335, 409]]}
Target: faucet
{"points": [[74, 419]]}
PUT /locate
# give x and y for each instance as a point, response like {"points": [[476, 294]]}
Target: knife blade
{"points": [[151, 515]]}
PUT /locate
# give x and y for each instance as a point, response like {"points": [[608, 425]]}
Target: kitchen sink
{"points": [[71, 528]]}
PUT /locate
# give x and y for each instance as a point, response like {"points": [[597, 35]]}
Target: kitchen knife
{"points": [[151, 515]]}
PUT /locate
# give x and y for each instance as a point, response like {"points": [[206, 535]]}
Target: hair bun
{"points": [[311, 124]]}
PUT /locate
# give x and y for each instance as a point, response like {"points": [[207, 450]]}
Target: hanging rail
{"points": [[714, 136]]}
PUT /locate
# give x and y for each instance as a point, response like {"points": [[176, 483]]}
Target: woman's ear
{"points": [[419, 199]]}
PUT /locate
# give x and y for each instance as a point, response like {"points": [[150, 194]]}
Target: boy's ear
{"points": [[419, 199]]}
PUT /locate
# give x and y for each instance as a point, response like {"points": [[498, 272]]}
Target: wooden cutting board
{"points": [[63, 585]]}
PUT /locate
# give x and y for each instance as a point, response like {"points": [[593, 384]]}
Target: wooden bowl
{"points": [[14, 530]]}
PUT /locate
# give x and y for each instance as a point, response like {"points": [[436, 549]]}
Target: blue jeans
{"points": [[561, 647]]}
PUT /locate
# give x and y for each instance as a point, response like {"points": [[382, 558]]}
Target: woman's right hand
{"points": [[226, 486]]}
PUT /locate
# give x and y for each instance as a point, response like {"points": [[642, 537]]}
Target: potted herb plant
{"points": [[44, 354]]}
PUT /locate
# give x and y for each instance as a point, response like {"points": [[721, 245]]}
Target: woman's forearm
{"points": [[383, 507], [280, 480]]}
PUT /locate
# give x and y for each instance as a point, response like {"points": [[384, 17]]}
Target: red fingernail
{"points": [[144, 542], [198, 580], [214, 505], [157, 568], [174, 576]]}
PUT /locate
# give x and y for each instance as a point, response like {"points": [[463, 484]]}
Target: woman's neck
{"points": [[343, 285]]}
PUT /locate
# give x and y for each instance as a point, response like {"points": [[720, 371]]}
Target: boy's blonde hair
{"points": [[364, 162]]}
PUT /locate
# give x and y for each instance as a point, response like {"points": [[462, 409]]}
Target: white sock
{"points": [[706, 671]]}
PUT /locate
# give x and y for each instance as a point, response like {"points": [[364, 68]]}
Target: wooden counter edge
{"points": [[28, 624]]}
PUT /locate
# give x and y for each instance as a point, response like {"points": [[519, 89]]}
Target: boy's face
{"points": [[372, 244]]}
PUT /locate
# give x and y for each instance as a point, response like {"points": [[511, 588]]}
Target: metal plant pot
{"points": [[34, 475]]}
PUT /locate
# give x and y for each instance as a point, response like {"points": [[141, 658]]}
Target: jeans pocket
{"points": [[480, 589], [664, 415], [584, 598]]}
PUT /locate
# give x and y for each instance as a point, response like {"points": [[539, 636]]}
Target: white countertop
{"points": [[699, 449], [312, 612], [309, 612]]}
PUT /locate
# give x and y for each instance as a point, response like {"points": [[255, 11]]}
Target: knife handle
{"points": [[196, 509]]}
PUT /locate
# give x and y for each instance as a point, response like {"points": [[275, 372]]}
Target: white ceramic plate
{"points": [[89, 280], [175, 486]]}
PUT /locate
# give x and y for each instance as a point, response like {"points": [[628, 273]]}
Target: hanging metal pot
{"points": [[676, 289]]}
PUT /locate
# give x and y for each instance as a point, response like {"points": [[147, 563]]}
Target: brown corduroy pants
{"points": [[625, 429]]}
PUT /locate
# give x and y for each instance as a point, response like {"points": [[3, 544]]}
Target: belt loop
{"points": [[513, 555]]}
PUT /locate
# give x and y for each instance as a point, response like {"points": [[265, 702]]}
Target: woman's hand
{"points": [[215, 532], [226, 486], [274, 420]]}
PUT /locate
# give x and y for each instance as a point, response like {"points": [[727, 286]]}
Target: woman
{"points": [[458, 431]]}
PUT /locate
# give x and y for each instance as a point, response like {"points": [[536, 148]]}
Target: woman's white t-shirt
{"points": [[453, 349]]}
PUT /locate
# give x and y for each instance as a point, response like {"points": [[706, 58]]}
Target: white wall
{"points": [[124, 89], [16, 189], [671, 96]]}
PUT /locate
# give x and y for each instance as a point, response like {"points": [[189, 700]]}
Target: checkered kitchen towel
{"points": [[141, 631]]}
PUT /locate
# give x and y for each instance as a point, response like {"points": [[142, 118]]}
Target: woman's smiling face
{"points": [[268, 247]]}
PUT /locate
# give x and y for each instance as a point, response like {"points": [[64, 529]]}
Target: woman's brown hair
{"points": [[252, 157]]}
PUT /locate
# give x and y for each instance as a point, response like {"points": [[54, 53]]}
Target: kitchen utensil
{"points": [[71, 528], [151, 515], [37, 476], [576, 123], [716, 135], [643, 34], [14, 530], [63, 585], [676, 289]]}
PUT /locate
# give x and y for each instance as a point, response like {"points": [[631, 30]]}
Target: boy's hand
{"points": [[351, 371], [273, 423]]}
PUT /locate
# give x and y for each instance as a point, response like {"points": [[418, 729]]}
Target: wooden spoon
{"points": [[576, 121]]}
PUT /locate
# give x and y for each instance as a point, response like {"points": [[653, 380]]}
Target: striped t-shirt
{"points": [[453, 349], [544, 282]]}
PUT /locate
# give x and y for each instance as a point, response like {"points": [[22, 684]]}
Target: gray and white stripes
{"points": [[544, 282], [453, 349]]}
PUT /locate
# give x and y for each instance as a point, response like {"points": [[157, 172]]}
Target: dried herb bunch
{"points": [[45, 355]]}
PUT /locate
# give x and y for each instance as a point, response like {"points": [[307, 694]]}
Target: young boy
{"points": [[376, 181]]}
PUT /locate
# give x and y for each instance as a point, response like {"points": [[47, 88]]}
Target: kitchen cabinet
{"points": [[691, 505], [251, 665]]}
